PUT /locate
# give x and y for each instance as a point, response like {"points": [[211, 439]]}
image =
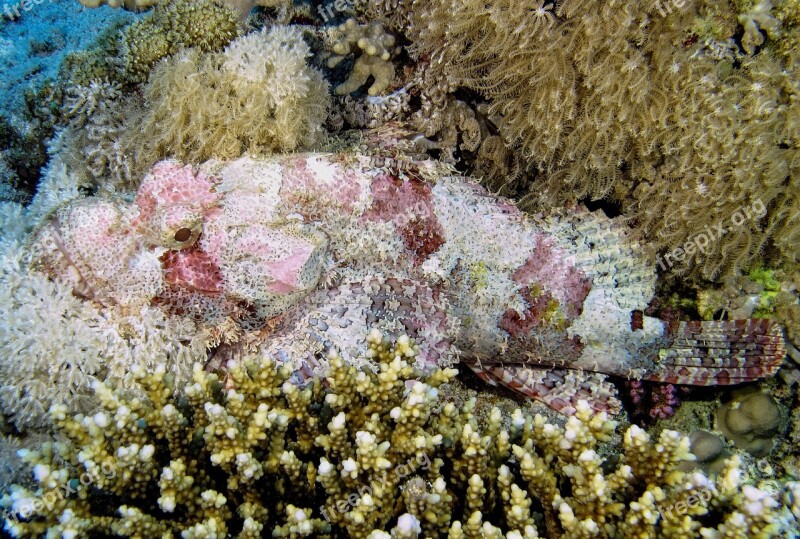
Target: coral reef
{"points": [[103, 60], [258, 96], [464, 133], [666, 402], [23, 144], [131, 5], [254, 344], [8, 183], [763, 293], [377, 461], [756, 22], [791, 442], [373, 47], [633, 103], [737, 298], [456, 127], [12, 162], [54, 29], [751, 420], [173, 26]]}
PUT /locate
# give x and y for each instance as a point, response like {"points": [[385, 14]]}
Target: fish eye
{"points": [[183, 234]]}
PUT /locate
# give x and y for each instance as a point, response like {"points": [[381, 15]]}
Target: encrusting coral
{"points": [[653, 106], [709, 450], [373, 47], [364, 455], [751, 420], [257, 96]]}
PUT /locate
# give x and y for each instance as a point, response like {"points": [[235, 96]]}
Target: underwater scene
{"points": [[401, 269]]}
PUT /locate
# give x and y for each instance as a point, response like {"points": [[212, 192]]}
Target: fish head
{"points": [[172, 203], [187, 246], [92, 246]]}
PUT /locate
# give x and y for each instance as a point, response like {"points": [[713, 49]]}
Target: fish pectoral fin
{"points": [[720, 352], [560, 389]]}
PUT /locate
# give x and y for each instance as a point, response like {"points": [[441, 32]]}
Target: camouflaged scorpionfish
{"points": [[308, 252]]}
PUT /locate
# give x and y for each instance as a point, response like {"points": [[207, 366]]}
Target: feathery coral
{"points": [[258, 96], [622, 101]]}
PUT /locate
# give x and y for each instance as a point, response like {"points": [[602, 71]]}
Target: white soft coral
{"points": [[275, 56]]}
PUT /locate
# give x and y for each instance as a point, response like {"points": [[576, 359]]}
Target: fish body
{"points": [[309, 252]]}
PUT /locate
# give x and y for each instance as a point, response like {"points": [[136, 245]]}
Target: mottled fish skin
{"points": [[321, 248]]}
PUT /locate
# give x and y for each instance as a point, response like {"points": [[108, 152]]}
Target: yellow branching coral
{"points": [[651, 104], [363, 455]]}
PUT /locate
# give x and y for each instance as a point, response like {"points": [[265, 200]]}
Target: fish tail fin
{"points": [[720, 352]]}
